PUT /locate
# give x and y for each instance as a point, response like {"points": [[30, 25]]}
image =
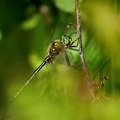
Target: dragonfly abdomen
{"points": [[49, 58]]}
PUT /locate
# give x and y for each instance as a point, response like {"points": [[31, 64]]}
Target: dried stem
{"points": [[84, 68]]}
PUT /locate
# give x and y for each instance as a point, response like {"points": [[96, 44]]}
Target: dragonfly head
{"points": [[67, 40]]}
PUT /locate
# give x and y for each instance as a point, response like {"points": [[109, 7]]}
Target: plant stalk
{"points": [[79, 34]]}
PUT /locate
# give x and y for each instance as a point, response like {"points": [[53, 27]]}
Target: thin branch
{"points": [[84, 68]]}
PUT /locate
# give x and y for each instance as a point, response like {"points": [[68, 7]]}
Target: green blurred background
{"points": [[58, 92]]}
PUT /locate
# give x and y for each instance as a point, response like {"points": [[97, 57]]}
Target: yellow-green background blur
{"points": [[58, 92]]}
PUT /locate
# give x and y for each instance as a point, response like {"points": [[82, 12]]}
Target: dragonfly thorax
{"points": [[55, 48]]}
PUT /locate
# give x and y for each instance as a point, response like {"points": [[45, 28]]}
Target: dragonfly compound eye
{"points": [[67, 40]]}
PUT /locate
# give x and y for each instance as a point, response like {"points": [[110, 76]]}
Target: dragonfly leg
{"points": [[74, 42], [67, 59], [73, 49], [73, 33], [68, 63]]}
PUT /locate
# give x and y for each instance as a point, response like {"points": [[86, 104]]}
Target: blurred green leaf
{"points": [[65, 5], [57, 92], [31, 23]]}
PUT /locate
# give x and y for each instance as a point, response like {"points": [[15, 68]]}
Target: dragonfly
{"points": [[55, 48]]}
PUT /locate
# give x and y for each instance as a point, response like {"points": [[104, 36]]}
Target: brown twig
{"points": [[84, 68]]}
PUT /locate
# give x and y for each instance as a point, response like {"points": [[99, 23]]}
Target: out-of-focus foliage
{"points": [[58, 92], [65, 6]]}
